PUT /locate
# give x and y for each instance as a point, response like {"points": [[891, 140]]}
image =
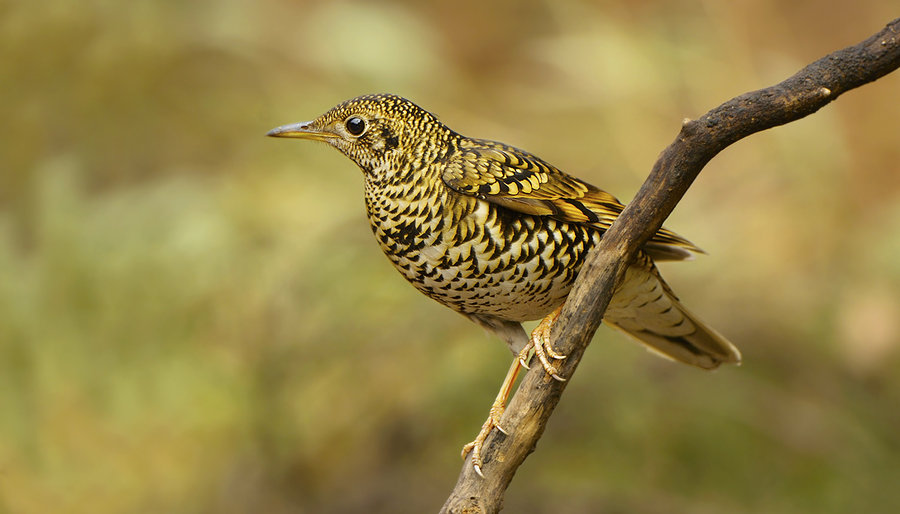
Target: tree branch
{"points": [[698, 142]]}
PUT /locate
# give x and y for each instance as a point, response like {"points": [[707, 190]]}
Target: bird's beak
{"points": [[302, 130]]}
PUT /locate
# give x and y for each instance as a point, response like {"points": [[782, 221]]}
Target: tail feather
{"points": [[645, 308]]}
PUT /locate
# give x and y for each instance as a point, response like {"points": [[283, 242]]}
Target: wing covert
{"points": [[523, 182]]}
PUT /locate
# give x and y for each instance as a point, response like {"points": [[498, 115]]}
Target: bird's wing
{"points": [[523, 182]]}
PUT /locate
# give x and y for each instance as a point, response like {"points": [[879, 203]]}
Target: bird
{"points": [[498, 235]]}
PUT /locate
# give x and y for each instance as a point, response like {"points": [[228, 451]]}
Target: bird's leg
{"points": [[493, 419], [540, 343]]}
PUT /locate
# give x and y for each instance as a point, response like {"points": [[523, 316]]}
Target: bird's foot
{"points": [[540, 343], [493, 421]]}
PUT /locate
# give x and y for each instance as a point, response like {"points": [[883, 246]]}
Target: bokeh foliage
{"points": [[194, 318]]}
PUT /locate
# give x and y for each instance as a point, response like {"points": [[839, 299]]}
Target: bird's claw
{"points": [[493, 421], [540, 344]]}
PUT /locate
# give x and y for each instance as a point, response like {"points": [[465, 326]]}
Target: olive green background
{"points": [[195, 318]]}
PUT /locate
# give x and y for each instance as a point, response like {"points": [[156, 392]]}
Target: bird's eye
{"points": [[356, 126]]}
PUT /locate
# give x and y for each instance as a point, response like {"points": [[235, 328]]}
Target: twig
{"points": [[699, 141]]}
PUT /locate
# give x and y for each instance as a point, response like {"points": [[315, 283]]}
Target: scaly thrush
{"points": [[498, 235]]}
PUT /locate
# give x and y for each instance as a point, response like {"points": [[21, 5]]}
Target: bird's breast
{"points": [[476, 257]]}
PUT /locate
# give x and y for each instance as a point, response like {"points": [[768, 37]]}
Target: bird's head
{"points": [[375, 131]]}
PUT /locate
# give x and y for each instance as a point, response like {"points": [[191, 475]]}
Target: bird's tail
{"points": [[645, 308]]}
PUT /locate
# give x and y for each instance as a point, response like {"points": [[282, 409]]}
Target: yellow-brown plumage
{"points": [[498, 234]]}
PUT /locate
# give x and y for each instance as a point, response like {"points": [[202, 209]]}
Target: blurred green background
{"points": [[196, 319]]}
